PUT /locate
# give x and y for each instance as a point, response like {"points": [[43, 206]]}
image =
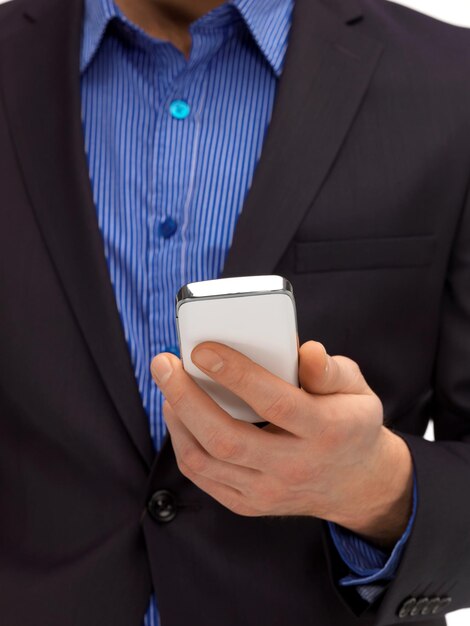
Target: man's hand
{"points": [[325, 452]]}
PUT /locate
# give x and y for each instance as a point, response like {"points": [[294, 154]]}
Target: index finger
{"points": [[217, 432], [271, 397]]}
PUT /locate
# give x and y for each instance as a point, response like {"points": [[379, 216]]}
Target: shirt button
{"points": [[180, 109], [162, 506], [167, 228], [173, 349]]}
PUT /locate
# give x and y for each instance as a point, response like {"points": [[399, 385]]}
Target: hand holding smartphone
{"points": [[252, 314]]}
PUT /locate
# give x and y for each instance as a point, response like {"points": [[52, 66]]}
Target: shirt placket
{"points": [[180, 108], [173, 150]]}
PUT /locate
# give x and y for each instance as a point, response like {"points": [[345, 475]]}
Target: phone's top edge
{"points": [[237, 286]]}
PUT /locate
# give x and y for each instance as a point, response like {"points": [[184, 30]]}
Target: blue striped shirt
{"points": [[172, 144]]}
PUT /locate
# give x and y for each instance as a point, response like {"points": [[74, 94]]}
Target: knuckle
{"points": [[352, 365], [234, 504], [345, 361], [194, 459], [265, 505], [241, 508], [284, 405], [224, 447], [356, 379], [356, 375], [184, 469], [378, 409]]}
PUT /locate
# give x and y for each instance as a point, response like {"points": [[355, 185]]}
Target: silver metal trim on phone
{"points": [[234, 288]]}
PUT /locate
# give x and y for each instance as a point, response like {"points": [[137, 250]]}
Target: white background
{"points": [[456, 12]]}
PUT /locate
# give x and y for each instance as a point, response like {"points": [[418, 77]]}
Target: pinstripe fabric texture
{"points": [[147, 167], [370, 566], [172, 144], [168, 191]]}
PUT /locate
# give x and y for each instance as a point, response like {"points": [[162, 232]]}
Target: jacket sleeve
{"points": [[433, 576]]}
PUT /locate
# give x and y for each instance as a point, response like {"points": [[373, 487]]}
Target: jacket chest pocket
{"points": [[364, 254]]}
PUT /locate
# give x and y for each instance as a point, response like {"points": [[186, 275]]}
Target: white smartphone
{"points": [[252, 314]]}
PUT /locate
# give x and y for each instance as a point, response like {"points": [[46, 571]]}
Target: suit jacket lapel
{"points": [[40, 63], [326, 73]]}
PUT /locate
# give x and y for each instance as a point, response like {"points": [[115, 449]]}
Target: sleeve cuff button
{"points": [[414, 607]]}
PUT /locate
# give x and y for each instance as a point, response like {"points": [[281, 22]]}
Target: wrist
{"points": [[386, 497]]}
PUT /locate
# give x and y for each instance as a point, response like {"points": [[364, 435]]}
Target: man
{"points": [[131, 136]]}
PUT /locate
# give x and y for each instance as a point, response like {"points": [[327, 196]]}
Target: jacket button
{"points": [[420, 606], [162, 506], [406, 607]]}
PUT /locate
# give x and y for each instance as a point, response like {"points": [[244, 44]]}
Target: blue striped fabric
{"points": [[153, 174], [369, 566], [146, 166], [172, 145]]}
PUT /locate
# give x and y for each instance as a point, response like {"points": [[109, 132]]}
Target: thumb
{"points": [[321, 373]]}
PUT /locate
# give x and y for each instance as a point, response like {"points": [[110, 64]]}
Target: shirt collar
{"points": [[97, 15], [267, 20], [269, 23]]}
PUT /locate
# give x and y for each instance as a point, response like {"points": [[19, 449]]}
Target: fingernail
{"points": [[208, 360], [161, 369]]}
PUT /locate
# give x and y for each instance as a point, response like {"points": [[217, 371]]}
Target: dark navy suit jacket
{"points": [[361, 200]]}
